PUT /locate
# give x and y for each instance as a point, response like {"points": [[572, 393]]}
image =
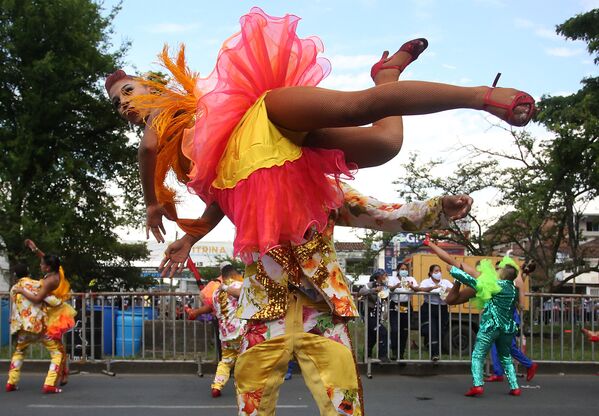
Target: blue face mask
{"points": [[403, 273]]}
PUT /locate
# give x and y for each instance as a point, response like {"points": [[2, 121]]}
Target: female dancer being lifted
{"points": [[265, 137]]}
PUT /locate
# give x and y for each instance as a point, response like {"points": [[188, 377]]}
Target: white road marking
{"points": [[148, 406]]}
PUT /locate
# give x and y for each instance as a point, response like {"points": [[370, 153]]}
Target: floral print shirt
{"points": [[26, 315], [225, 309], [312, 266]]}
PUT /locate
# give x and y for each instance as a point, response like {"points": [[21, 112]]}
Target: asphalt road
{"points": [[181, 395]]}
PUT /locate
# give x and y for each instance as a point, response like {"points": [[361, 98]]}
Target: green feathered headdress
{"points": [[486, 283], [508, 261]]}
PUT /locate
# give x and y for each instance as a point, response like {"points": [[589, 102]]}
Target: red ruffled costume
{"points": [[276, 204]]}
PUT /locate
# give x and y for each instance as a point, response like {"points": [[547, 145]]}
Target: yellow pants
{"points": [[54, 347], [321, 346], [225, 365]]}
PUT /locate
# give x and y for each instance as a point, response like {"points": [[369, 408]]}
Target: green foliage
{"points": [[468, 178], [583, 27], [68, 176], [374, 242]]}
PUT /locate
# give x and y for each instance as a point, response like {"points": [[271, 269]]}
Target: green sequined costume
{"points": [[497, 326]]}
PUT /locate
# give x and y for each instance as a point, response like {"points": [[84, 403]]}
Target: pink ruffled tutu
{"points": [[277, 204]]}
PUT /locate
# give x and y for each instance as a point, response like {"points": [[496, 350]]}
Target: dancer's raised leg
{"points": [[312, 108], [387, 132]]}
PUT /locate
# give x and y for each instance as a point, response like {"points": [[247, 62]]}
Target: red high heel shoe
{"points": [[521, 98], [515, 392], [414, 47], [215, 393], [51, 389], [475, 391], [11, 387], [530, 373], [493, 378]]}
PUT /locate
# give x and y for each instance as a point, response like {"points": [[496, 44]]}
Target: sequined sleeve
{"points": [[366, 212], [463, 277]]}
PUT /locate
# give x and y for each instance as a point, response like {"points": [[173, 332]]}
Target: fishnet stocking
{"points": [[311, 108], [332, 117]]}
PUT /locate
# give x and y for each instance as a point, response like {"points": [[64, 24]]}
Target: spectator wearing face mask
{"points": [[372, 293], [434, 313], [400, 307]]}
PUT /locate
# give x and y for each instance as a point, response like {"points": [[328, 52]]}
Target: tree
{"points": [[68, 176], [575, 120], [468, 178]]}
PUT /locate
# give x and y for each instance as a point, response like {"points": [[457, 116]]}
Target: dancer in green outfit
{"points": [[496, 290]]}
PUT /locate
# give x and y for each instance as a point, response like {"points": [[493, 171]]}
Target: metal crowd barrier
{"points": [[550, 329], [153, 326], [111, 327]]}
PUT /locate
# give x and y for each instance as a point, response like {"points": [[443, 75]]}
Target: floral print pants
{"points": [[54, 347], [320, 344]]}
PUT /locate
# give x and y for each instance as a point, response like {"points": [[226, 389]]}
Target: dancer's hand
{"points": [[191, 314], [154, 214], [456, 207], [31, 245], [427, 240], [175, 256], [529, 267]]}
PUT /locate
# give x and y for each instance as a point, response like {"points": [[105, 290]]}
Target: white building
{"points": [[203, 253], [589, 225]]}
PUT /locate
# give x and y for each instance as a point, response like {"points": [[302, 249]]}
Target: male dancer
{"points": [[297, 303], [497, 324], [224, 305], [459, 295]]}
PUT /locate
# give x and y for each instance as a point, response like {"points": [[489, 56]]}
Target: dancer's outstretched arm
{"points": [[444, 256], [33, 247], [362, 211], [146, 155], [177, 252], [194, 313], [43, 295], [463, 277]]}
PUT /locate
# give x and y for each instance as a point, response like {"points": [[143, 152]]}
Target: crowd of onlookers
{"points": [[391, 305], [391, 298], [570, 309]]}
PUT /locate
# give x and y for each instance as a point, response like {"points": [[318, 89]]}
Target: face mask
{"points": [[436, 276], [403, 273]]}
